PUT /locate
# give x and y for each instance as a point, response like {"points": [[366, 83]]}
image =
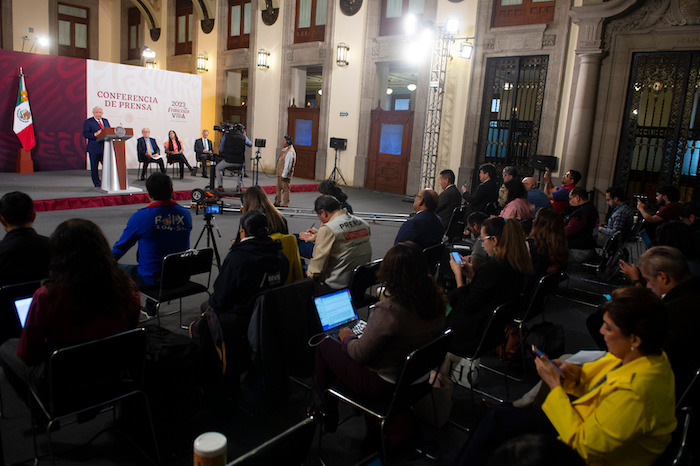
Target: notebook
{"points": [[22, 307], [335, 310]]}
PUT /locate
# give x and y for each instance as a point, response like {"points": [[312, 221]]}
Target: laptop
{"points": [[15, 301], [335, 311]]}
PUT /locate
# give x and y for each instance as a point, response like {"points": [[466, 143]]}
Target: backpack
{"points": [[207, 329]]}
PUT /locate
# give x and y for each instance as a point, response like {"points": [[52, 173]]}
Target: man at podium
{"points": [[92, 128]]}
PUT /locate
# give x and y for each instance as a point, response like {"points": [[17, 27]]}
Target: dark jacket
{"points": [[448, 201], [485, 193], [234, 148], [581, 225], [141, 148], [683, 304], [495, 283], [90, 127], [251, 266], [424, 229], [24, 256]]}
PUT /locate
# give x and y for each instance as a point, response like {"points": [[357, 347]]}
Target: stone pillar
{"points": [[583, 113]]}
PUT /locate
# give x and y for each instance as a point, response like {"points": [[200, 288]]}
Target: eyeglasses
{"points": [[488, 237]]}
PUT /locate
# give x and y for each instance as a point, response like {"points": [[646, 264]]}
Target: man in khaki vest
{"points": [[285, 171]]}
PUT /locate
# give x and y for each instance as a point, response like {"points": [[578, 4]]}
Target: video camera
{"points": [[209, 206], [225, 127]]}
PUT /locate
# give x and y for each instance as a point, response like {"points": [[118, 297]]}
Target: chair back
{"points": [[546, 286], [178, 267], [363, 277], [689, 397], [492, 335], [290, 447], [457, 225], [290, 249], [432, 256], [93, 373], [9, 322], [418, 364]]}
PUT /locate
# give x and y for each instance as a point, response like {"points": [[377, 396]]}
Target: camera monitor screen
{"points": [[212, 209]]}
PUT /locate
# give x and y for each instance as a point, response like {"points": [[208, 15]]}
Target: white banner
{"points": [[137, 97]]}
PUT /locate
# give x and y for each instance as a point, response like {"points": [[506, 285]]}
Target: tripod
{"points": [[336, 171], [208, 227], [256, 166]]}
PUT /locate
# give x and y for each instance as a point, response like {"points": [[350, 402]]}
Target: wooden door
{"points": [[235, 114], [303, 127], [389, 150]]}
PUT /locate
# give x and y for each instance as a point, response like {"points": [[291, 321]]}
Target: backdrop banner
{"points": [[63, 91]]}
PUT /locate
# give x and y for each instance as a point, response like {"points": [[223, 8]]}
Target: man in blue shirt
{"points": [[621, 216], [535, 195], [161, 228]]}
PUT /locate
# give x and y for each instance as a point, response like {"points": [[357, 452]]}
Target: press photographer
{"points": [[231, 149]]}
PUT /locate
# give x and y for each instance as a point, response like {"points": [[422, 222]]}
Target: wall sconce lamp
{"points": [[466, 49], [343, 52], [202, 62], [149, 58], [263, 59]]}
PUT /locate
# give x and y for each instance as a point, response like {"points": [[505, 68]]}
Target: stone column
{"points": [[583, 112]]}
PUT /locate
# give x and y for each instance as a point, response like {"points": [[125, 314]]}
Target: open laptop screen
{"points": [[22, 306], [335, 309]]}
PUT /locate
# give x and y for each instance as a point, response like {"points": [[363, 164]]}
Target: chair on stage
{"points": [[175, 276], [237, 170], [90, 377], [412, 385]]}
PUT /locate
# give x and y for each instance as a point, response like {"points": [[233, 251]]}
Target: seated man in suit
{"points": [[203, 149], [148, 152], [449, 198], [424, 228], [24, 254]]}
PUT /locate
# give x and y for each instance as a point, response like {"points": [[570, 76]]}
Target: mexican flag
{"points": [[23, 125]]}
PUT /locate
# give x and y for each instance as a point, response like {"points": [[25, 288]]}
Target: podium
{"points": [[114, 176]]}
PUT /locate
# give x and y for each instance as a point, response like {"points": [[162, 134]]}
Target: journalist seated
{"points": [[616, 410]]}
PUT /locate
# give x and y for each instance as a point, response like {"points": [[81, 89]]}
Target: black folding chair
{"points": [[412, 385], [364, 277], [175, 276], [92, 376], [290, 447], [457, 225]]}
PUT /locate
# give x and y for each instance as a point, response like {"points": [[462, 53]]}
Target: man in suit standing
{"points": [[148, 152], [450, 197], [92, 128], [203, 149]]}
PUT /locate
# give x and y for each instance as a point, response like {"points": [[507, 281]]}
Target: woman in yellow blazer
{"points": [[623, 409]]}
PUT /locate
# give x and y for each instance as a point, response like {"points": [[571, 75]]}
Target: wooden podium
{"points": [[114, 176]]}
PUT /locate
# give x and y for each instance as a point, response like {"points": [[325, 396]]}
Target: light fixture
{"points": [[466, 49], [320, 92], [263, 59], [452, 26], [389, 91], [149, 57], [411, 87], [410, 25], [343, 50], [202, 62], [43, 41]]}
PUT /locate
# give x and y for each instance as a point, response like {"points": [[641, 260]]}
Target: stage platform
{"points": [[65, 190]]}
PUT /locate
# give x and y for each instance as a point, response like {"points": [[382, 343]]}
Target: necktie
{"points": [[100, 122]]}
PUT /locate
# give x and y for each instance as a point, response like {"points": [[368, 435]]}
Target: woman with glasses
{"points": [[496, 282]]}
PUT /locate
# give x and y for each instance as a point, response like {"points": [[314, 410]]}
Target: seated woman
{"points": [[547, 242], [496, 282], [173, 149], [411, 316], [87, 297], [256, 199], [517, 205], [622, 412]]}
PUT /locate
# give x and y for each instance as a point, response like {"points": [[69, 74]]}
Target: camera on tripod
{"points": [[226, 127], [209, 207]]}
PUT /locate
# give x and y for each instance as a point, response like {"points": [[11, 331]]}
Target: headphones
{"points": [[289, 140]]}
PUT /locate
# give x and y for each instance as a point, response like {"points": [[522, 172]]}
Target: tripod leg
{"points": [[210, 234]]}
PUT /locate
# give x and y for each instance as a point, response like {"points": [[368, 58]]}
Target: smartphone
{"points": [[457, 258], [540, 353], [607, 297]]}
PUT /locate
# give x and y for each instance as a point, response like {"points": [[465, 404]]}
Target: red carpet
{"points": [[70, 203]]}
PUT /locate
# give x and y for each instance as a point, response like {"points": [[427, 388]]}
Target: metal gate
{"points": [[510, 116], [660, 133]]}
